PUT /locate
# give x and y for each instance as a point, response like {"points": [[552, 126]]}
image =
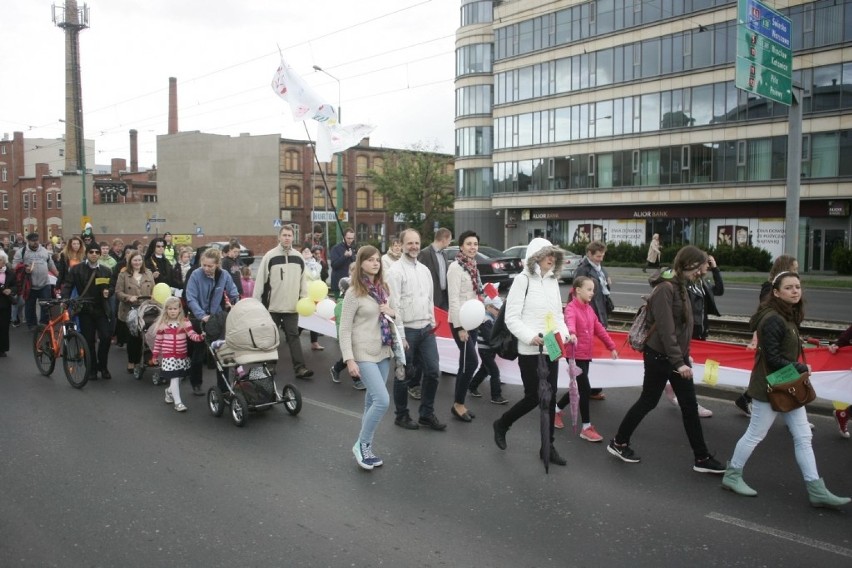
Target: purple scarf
{"points": [[379, 294]]}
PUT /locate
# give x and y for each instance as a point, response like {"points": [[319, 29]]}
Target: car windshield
{"points": [[490, 252]]}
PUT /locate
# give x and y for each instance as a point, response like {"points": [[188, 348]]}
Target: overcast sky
{"points": [[394, 59]]}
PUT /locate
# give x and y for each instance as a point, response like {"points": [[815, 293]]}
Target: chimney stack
{"points": [[173, 118], [134, 153]]}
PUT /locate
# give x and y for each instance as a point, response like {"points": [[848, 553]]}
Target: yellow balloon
{"points": [[54, 239], [161, 293], [306, 307], [838, 405], [317, 290]]}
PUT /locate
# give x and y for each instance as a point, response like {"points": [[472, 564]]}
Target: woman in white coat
{"points": [[533, 302]]}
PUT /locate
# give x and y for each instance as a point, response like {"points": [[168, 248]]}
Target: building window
{"points": [[361, 165], [320, 202], [292, 197], [473, 100], [110, 197], [379, 231], [362, 233], [149, 198], [473, 59], [379, 165], [4, 175], [475, 182], [3, 149], [59, 200], [5, 201], [476, 13], [291, 161], [378, 200], [34, 200], [362, 199], [48, 197], [26, 201]]}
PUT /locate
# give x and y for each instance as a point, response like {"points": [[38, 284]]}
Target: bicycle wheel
{"points": [[43, 351], [75, 359]]}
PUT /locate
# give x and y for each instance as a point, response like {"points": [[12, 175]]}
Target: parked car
{"points": [[246, 255], [493, 265], [572, 261]]}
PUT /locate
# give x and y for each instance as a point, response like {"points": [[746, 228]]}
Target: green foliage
{"points": [[414, 183], [841, 258], [753, 258]]}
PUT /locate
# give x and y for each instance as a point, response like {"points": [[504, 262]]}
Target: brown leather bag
{"points": [[790, 395]]}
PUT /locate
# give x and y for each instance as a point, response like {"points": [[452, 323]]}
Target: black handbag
{"points": [[502, 342]]}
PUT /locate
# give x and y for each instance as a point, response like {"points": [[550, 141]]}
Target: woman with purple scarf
{"points": [[366, 344], [463, 284]]}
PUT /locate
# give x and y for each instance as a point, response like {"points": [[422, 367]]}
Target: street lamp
{"points": [[339, 207]]}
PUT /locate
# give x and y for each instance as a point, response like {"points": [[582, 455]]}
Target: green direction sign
{"points": [[764, 54], [763, 81]]}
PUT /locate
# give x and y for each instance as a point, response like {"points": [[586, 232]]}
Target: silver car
{"points": [[572, 261]]}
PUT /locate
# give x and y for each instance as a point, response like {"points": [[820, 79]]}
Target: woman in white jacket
{"points": [[533, 302]]}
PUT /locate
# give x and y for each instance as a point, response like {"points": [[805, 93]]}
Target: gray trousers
{"points": [[289, 324]]}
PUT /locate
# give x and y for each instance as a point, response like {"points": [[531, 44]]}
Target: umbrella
{"points": [[545, 396], [573, 392], [398, 350]]}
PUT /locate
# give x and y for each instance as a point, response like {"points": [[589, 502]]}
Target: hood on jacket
{"points": [[540, 248], [662, 275], [756, 319]]}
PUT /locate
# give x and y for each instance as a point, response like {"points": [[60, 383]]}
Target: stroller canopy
{"points": [[251, 335]]}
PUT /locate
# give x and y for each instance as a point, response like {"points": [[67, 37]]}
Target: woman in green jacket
{"points": [[776, 323]]}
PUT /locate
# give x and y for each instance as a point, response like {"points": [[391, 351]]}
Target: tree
{"points": [[414, 185]]}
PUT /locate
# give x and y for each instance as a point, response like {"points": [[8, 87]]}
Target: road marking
{"points": [[799, 539], [332, 408]]}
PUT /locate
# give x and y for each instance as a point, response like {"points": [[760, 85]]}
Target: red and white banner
{"points": [[721, 364]]}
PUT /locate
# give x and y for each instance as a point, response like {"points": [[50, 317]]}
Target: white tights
{"points": [[174, 388]]}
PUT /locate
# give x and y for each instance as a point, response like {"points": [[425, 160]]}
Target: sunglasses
{"points": [[97, 252]]}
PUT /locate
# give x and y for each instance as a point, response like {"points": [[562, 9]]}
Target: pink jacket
{"points": [[584, 323]]}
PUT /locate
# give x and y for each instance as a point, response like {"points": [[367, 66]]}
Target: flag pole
{"points": [[324, 180]]}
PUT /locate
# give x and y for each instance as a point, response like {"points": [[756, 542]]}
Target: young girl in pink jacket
{"points": [[583, 322], [173, 332]]}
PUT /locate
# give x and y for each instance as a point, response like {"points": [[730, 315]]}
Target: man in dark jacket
{"points": [[432, 257], [92, 281], [340, 257]]}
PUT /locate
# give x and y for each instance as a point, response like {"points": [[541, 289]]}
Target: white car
{"points": [[572, 261], [246, 256]]}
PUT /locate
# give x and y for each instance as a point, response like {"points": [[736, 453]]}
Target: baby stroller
{"points": [[245, 362], [140, 322]]}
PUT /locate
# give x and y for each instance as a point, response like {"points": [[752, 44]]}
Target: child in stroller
{"points": [[245, 361], [140, 322]]}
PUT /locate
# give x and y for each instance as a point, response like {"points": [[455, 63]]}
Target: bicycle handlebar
{"points": [[60, 301]]}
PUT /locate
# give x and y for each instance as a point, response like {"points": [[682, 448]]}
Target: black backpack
{"points": [[502, 342]]}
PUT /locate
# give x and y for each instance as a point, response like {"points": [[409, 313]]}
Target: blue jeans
{"points": [[32, 299], [422, 356], [377, 400], [762, 418], [468, 362]]}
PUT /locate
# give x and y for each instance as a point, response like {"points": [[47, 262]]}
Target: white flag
{"points": [[304, 102], [337, 138]]}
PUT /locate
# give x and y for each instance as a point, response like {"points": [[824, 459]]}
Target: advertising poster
{"points": [[609, 231], [766, 233]]}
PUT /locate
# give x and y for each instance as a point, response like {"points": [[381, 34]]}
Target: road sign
{"points": [[327, 216], [198, 230], [764, 52], [147, 227], [84, 220], [276, 223], [156, 220]]}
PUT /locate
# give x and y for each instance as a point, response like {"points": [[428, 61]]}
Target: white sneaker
{"points": [[180, 407], [704, 412], [169, 398], [669, 391]]}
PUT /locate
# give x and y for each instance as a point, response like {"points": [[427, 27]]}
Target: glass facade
{"points": [[474, 141], [751, 160], [476, 12], [827, 88], [473, 100], [474, 58]]}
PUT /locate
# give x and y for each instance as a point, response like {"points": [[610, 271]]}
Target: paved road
{"points": [[822, 304], [112, 476]]}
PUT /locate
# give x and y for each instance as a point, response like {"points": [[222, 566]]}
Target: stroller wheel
{"points": [[239, 409], [292, 399], [215, 402]]}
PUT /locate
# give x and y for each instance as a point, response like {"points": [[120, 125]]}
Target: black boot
{"points": [[500, 434]]}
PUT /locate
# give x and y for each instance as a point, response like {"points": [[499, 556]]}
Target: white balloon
{"points": [[472, 314], [325, 308]]}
